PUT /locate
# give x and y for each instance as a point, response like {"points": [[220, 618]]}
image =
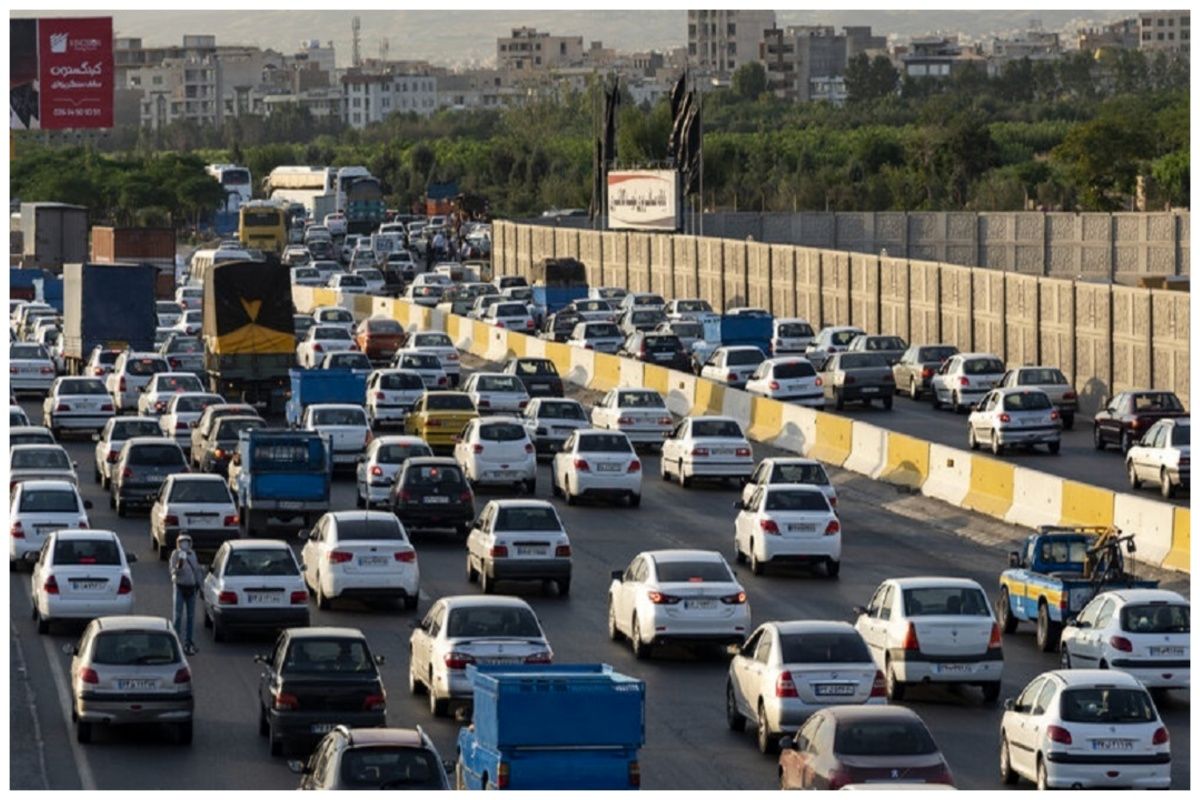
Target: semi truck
{"points": [[111, 305], [54, 234]]}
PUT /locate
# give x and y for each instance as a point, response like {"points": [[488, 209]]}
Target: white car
{"points": [[325, 270], [1163, 456], [183, 412], [100, 361], [432, 279], [353, 361], [320, 340], [81, 575], [593, 310], [503, 282], [37, 509], [789, 378], [40, 462], [190, 323], [346, 426], [348, 283], [307, 276], [707, 448], [467, 629], [791, 336], [441, 346], [786, 671], [161, 387], [933, 630], [30, 368], [77, 404], [110, 441], [391, 394], [168, 312], [641, 300], [732, 365], [1085, 729], [427, 365], [519, 540], [830, 340], [194, 504], [613, 294], [372, 279], [549, 421], [603, 337], [482, 303], [131, 373], [688, 308], [514, 316], [788, 523], [808, 471], [377, 469], [336, 223], [641, 414], [1145, 632], [496, 393], [497, 450], [189, 297], [596, 463], [253, 584], [427, 295], [687, 596], [30, 434], [964, 378], [690, 332], [161, 335], [360, 554], [334, 315], [1011, 417]]}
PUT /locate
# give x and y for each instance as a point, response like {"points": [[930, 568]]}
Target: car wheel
{"points": [[684, 481], [956, 403], [614, 633], [838, 402], [766, 742], [323, 602], [833, 569], [571, 498], [1043, 781], [275, 742], [564, 587], [183, 733], [914, 392], [218, 630], [1126, 442], [972, 442], [733, 717], [1064, 656], [635, 500], [437, 705], [934, 399], [358, 500], [554, 490], [1164, 485], [1054, 447], [641, 649], [472, 575], [83, 732], [991, 692], [1008, 622], [263, 728], [738, 556], [1008, 775], [997, 448], [887, 403], [1048, 631], [1068, 421], [895, 687], [122, 511], [1134, 481], [486, 583], [415, 687], [43, 624], [531, 486], [1097, 438]]}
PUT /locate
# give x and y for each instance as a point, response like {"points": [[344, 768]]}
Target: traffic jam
{"points": [[330, 511]]}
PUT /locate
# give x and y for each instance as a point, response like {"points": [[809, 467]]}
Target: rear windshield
{"points": [[301, 324], [1042, 376], [1158, 401], [741, 357], [351, 529], [692, 305], [289, 456], [391, 768], [640, 400], [400, 381], [794, 330], [794, 369], [535, 366], [693, 572], [1181, 435], [601, 330], [26, 351], [200, 492], [823, 648], [428, 290], [663, 344], [145, 366], [273, 561], [328, 656], [1063, 551], [1107, 706], [431, 340], [327, 333], [44, 458], [40, 437], [843, 338], [509, 310], [102, 552], [167, 307], [800, 473], [561, 411], [178, 383], [339, 416], [129, 428], [650, 300], [399, 453], [1026, 401], [449, 402], [501, 432], [945, 600], [420, 361], [156, 455], [926, 354], [592, 305], [48, 500], [107, 356], [860, 361], [229, 430], [885, 343], [1148, 618], [726, 428], [335, 315], [796, 500], [604, 443], [883, 737], [370, 274], [127, 648], [527, 518], [185, 344], [434, 475], [498, 383], [349, 361], [386, 326], [982, 366], [690, 330], [82, 386], [651, 316], [482, 621], [351, 280], [195, 402]]}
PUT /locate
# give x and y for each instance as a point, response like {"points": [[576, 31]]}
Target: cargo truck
{"points": [[249, 333], [279, 478], [155, 246], [111, 305], [54, 234], [557, 282], [309, 386]]}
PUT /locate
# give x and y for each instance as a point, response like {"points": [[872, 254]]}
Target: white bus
{"points": [[204, 260], [346, 176], [315, 188], [235, 181]]}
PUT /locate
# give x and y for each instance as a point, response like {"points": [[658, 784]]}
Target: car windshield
{"points": [[388, 327], [693, 572], [498, 383], [604, 330], [744, 357], [128, 428], [527, 518], [185, 344], [328, 655], [1181, 435], [885, 343], [49, 501], [652, 316], [823, 648], [1157, 401], [1027, 401], [228, 430], [692, 305], [339, 416], [82, 386], [883, 737], [800, 473], [843, 338], [129, 648], [794, 330], [37, 437], [569, 410], [384, 767], [349, 361], [513, 622], [640, 400], [665, 343], [794, 369], [931, 601], [604, 443], [195, 402], [449, 402], [1063, 552], [107, 356], [593, 305], [860, 361], [351, 280], [156, 455], [178, 383], [501, 432], [146, 366], [358, 529], [40, 458], [939, 354], [420, 361], [205, 491], [1041, 377], [535, 366], [433, 475], [401, 381], [102, 552], [725, 428], [982, 366], [432, 340], [399, 453], [1155, 618], [267, 562], [26, 351], [1107, 706], [509, 310], [796, 500], [335, 315]]}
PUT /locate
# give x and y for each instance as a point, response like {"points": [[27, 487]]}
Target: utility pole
{"points": [[355, 26]]}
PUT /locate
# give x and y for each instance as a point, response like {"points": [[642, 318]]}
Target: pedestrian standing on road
{"points": [[186, 577]]}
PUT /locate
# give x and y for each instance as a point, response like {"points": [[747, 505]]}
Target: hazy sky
{"points": [[460, 37]]}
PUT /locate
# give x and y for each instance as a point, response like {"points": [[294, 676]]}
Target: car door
{"points": [[939, 382], [561, 459], [266, 677], [310, 554], [756, 673], [211, 588], [874, 624], [1020, 731], [983, 419], [740, 672], [1080, 649], [1109, 420], [1149, 456], [1094, 637], [426, 639], [627, 592], [478, 538], [757, 480], [746, 520]]}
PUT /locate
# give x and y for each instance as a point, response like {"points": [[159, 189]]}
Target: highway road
{"points": [[887, 534]]}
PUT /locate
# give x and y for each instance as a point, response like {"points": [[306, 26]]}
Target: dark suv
{"points": [[374, 758], [662, 349], [144, 465], [432, 492]]}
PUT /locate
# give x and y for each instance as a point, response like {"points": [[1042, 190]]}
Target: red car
{"points": [[379, 338], [841, 745], [1130, 414]]}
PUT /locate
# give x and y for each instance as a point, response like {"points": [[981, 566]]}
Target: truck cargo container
{"points": [[55, 234], [280, 478], [107, 304], [138, 246], [310, 386]]}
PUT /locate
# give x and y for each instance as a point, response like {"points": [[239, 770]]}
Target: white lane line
{"points": [[86, 778]]}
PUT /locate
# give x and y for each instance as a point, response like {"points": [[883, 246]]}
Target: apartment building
{"points": [[369, 97], [1165, 31], [721, 41], [179, 89], [528, 50], [806, 62]]}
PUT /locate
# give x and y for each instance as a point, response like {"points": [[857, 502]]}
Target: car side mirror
{"points": [[32, 558], [859, 611], [87, 504], [1010, 704], [380, 660], [786, 743], [1074, 622], [1014, 559], [618, 575], [299, 767], [260, 658], [131, 558]]}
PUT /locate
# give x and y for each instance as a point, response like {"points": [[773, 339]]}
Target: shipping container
{"points": [[107, 304], [55, 234], [133, 246]]}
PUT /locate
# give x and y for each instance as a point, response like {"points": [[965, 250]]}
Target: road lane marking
{"points": [[31, 699], [86, 779]]}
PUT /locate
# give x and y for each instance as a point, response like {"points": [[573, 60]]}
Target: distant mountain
{"points": [[459, 37]]}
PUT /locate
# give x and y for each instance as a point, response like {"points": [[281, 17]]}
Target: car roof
{"points": [[812, 626], [396, 438], [156, 440], [475, 601], [338, 406], [713, 418], [776, 460], [1092, 677], [965, 356], [854, 713], [448, 393], [513, 502], [32, 429], [934, 581], [325, 632], [132, 622], [682, 554], [196, 477], [258, 544], [394, 737], [367, 516], [771, 488], [1006, 390], [35, 446], [47, 486], [83, 534], [1147, 595], [507, 419]]}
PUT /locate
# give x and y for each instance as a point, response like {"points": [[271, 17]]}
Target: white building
{"points": [[368, 98], [721, 41]]}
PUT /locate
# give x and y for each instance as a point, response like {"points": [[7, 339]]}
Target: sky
{"points": [[468, 38]]}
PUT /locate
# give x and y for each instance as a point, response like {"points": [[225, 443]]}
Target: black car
{"points": [[558, 326], [144, 465], [539, 376], [432, 492], [314, 680], [662, 349], [1126, 417]]}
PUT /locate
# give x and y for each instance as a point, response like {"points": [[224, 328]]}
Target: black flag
{"points": [[677, 144], [691, 150], [612, 100], [595, 209], [678, 95]]}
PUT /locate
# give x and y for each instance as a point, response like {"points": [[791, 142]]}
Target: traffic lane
{"points": [[1077, 459]]}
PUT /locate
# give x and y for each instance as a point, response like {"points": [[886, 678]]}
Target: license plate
{"points": [[42, 530], [700, 604], [540, 387], [321, 727], [505, 473], [137, 683], [434, 498], [834, 689], [1108, 745], [954, 669], [89, 586], [722, 451], [529, 550], [662, 356], [200, 519], [802, 528], [262, 598], [870, 389], [1166, 651], [291, 505], [608, 467], [372, 561]]}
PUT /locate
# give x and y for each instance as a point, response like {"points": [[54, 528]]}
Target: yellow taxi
{"points": [[439, 417]]}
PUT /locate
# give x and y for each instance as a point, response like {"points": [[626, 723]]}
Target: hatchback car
{"points": [[596, 463], [376, 470], [791, 335], [964, 379], [199, 506], [363, 554], [496, 393], [432, 492], [143, 466], [1010, 417], [519, 540], [37, 509], [373, 758], [788, 523], [80, 575], [253, 584], [789, 379], [1163, 456], [497, 450]]}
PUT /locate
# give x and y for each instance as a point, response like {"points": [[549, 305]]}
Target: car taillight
{"points": [[1058, 734], [774, 386], [230, 521], [1120, 643], [127, 473], [405, 556], [927, 372], [1069, 395], [51, 585], [889, 378], [442, 380], [499, 324], [456, 660], [529, 324], [995, 640], [436, 423], [374, 702], [88, 675], [286, 701], [183, 675], [849, 379], [742, 452], [942, 776], [181, 426], [878, 686], [660, 599], [528, 448], [1161, 736], [734, 599], [452, 357], [502, 776], [964, 381], [700, 451], [340, 557], [818, 381], [47, 370], [1005, 418], [664, 420], [785, 686], [833, 527], [839, 777], [299, 598], [483, 403], [768, 526], [376, 470], [405, 496], [170, 519], [589, 347], [624, 420], [465, 496], [1054, 414], [97, 370], [227, 599], [634, 466], [522, 404], [62, 407], [16, 531], [380, 396], [121, 384], [219, 453], [910, 638], [562, 551], [126, 585], [581, 465], [113, 456], [498, 551], [731, 377]]}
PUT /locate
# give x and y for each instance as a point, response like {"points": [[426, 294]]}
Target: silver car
{"points": [[1007, 417], [1051, 381], [861, 377]]}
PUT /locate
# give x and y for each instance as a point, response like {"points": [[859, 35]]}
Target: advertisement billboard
{"points": [[75, 72], [22, 75], [643, 200]]}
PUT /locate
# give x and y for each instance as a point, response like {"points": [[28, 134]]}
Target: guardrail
{"points": [[961, 478]]}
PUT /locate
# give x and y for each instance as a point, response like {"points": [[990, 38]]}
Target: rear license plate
{"points": [[291, 505], [372, 561], [506, 473], [722, 451], [834, 689], [435, 499], [530, 550], [130, 684], [89, 586], [200, 519], [42, 530], [700, 604], [321, 727], [608, 467], [870, 389], [1108, 745], [262, 598], [802, 528], [1166, 651], [540, 387], [954, 669]]}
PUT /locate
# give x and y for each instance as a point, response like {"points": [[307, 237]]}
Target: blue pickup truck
{"points": [[311, 386], [1057, 571], [732, 329], [280, 478], [565, 727]]}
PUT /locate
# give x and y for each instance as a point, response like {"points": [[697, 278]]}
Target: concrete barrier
{"points": [[517, 343], [868, 449], [907, 462], [632, 372], [480, 334], [657, 378], [606, 373], [583, 366], [382, 307], [302, 299], [362, 305], [709, 397], [766, 419], [1180, 557], [497, 344], [534, 347], [460, 330], [560, 354], [736, 405], [1152, 521], [437, 320], [798, 429], [1037, 498], [834, 439], [949, 474], [681, 392], [991, 488], [1086, 505]]}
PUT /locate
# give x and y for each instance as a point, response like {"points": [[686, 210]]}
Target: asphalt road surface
{"points": [[688, 744]]}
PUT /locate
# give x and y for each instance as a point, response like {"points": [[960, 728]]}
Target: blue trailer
{"points": [[558, 726], [107, 304], [323, 386], [280, 478], [551, 299]]}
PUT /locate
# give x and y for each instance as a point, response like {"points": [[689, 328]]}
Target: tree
{"points": [[749, 80], [1101, 157], [870, 79]]}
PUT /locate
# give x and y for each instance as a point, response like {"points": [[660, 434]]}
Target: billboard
{"points": [[643, 200], [61, 73]]}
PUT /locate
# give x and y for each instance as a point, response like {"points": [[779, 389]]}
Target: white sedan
{"points": [[497, 450], [37, 509], [708, 448], [789, 523], [346, 426], [514, 316], [1085, 729], [1011, 417], [197, 505], [40, 462], [786, 671], [353, 360], [334, 315], [81, 575], [442, 346], [808, 471], [641, 414], [596, 463], [1145, 632], [378, 467], [183, 411], [190, 323], [321, 339], [732, 365], [603, 337], [348, 283], [519, 540], [391, 394], [110, 441], [1163, 456], [496, 393], [254, 584], [30, 368], [77, 404], [788, 378], [153, 399], [427, 365], [360, 554]]}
